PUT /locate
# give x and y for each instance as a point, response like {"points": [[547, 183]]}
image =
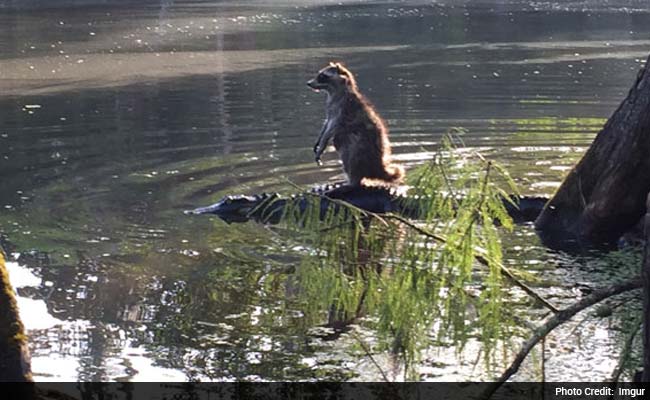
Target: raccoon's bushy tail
{"points": [[394, 173], [391, 174]]}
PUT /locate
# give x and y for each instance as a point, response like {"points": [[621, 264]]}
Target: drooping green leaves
{"points": [[418, 279]]}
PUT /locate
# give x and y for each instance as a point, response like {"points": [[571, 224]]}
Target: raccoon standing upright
{"points": [[359, 134]]}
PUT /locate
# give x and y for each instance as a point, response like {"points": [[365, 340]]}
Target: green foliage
{"points": [[412, 280]]}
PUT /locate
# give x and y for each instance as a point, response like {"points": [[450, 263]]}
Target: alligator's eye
{"points": [[228, 200]]}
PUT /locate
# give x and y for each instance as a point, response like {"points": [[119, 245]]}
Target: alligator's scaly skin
{"points": [[268, 207]]}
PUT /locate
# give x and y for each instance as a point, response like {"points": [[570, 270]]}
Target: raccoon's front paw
{"points": [[317, 153]]}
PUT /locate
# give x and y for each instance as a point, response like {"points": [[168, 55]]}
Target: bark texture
{"points": [[645, 275], [14, 355], [604, 195]]}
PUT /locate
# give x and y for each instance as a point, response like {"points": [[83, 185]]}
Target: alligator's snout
{"points": [[230, 208]]}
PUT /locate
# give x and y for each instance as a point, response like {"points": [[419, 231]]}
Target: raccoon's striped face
{"points": [[328, 78]]}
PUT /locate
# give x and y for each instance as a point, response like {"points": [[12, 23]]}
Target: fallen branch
{"points": [[564, 315]]}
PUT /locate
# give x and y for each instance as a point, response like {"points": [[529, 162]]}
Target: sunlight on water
{"points": [[34, 312], [132, 361], [116, 119]]}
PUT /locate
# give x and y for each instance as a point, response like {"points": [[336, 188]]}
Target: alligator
{"points": [[268, 207]]}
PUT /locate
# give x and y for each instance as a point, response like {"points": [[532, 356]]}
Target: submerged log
{"points": [[14, 355], [604, 195]]}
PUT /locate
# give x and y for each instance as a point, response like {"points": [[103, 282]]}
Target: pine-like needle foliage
{"points": [[414, 280]]}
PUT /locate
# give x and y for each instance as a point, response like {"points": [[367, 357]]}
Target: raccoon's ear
{"points": [[341, 69]]}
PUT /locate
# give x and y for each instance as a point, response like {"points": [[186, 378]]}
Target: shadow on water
{"points": [[116, 119]]}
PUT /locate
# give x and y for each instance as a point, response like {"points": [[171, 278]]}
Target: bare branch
{"points": [[595, 297]]}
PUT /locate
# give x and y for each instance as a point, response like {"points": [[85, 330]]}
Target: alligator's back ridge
{"points": [[269, 207]]}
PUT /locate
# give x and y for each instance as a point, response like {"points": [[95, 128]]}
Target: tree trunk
{"points": [[14, 356], [604, 195], [645, 274]]}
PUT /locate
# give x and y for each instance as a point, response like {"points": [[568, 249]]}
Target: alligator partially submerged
{"points": [[269, 207]]}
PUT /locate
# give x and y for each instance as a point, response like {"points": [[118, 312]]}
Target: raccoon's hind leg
{"points": [[353, 173], [352, 181]]}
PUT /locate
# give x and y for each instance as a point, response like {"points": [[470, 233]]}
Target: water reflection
{"points": [[115, 119]]}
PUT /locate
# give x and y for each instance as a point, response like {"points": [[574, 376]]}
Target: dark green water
{"points": [[114, 120]]}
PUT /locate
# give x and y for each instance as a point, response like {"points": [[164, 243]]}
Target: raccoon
{"points": [[359, 134]]}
